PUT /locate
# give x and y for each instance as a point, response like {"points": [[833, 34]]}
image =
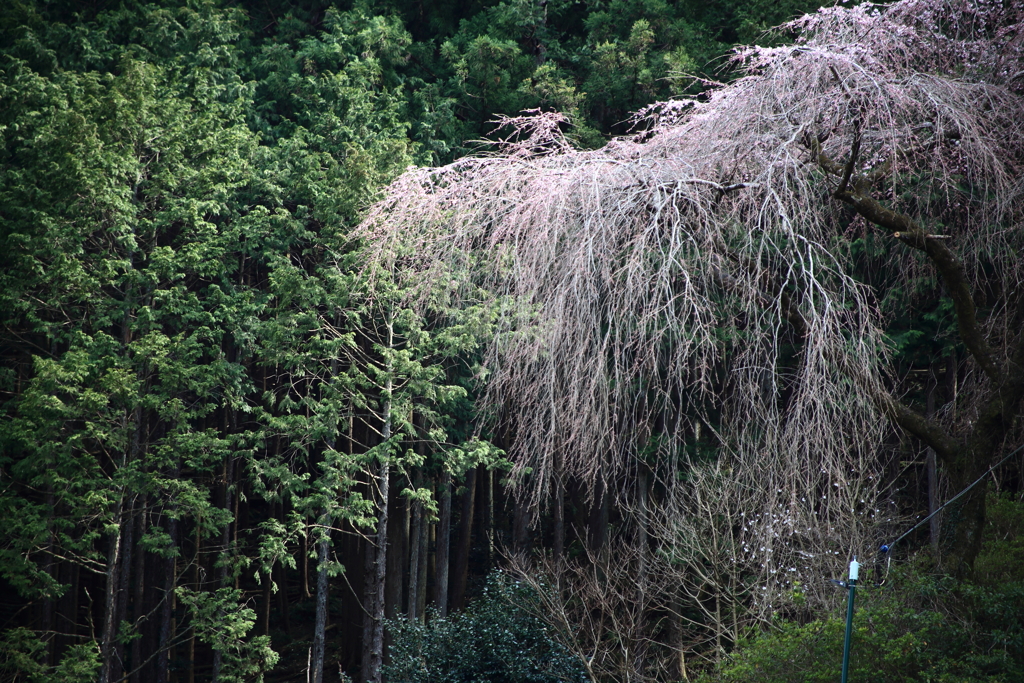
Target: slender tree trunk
{"points": [[197, 582], [268, 596], [163, 662], [486, 478], [305, 562], [398, 543], [319, 650], [933, 480], [139, 599], [415, 539], [597, 525], [444, 526], [123, 592], [322, 587], [377, 553], [46, 624], [225, 554], [521, 526], [461, 569], [67, 607], [558, 545], [283, 606], [373, 596], [643, 519], [110, 620], [421, 576]]}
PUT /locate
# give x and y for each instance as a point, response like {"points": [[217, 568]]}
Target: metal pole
{"points": [[852, 585]]}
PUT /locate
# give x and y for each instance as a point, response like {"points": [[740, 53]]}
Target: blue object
{"points": [[884, 548]]}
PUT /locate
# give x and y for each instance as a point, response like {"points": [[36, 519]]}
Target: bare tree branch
{"points": [[910, 233]]}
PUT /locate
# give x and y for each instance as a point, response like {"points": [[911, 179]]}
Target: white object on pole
{"points": [[854, 569]]}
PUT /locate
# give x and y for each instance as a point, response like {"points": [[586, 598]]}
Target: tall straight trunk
{"points": [[163, 662], [487, 514], [283, 606], [376, 572], [444, 526], [225, 545], [123, 591], [139, 599], [460, 576], [521, 526], [931, 466], [119, 557], [421, 576], [305, 562], [319, 650], [415, 546], [316, 673], [110, 617], [67, 607], [197, 583], [268, 596], [46, 624], [398, 543], [377, 552]]}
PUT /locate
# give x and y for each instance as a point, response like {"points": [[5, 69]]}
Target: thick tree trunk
{"points": [[968, 457], [460, 570]]}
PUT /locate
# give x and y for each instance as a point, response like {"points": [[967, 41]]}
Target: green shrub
{"points": [[917, 628], [1001, 559], [895, 641], [498, 639]]}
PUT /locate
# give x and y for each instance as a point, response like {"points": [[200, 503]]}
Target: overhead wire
{"points": [[886, 547]]}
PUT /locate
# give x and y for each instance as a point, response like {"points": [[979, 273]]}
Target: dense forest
{"points": [[518, 340]]}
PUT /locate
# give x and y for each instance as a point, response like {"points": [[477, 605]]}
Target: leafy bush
{"points": [[931, 629], [498, 639], [896, 642], [1001, 559]]}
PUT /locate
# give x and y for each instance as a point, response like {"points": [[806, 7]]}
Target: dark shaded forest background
{"points": [[213, 417]]}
